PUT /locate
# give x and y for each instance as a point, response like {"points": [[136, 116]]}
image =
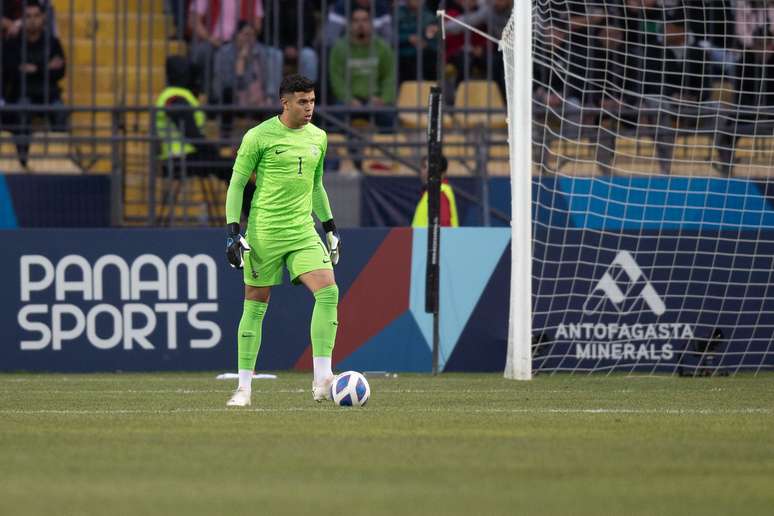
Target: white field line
{"points": [[269, 391], [122, 377], [567, 411]]}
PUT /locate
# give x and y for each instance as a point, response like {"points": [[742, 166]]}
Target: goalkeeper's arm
{"points": [[236, 189], [321, 207], [246, 161]]}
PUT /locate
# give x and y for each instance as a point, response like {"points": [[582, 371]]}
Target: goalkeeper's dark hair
{"points": [[295, 83]]}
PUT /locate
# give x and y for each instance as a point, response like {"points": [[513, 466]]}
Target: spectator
{"points": [[178, 10], [644, 20], [755, 84], [752, 16], [548, 84], [418, 46], [465, 49], [11, 21], [378, 10], [243, 74], [754, 96], [298, 55], [580, 40], [714, 32], [183, 148], [214, 23], [448, 210], [33, 65], [610, 77], [362, 67], [676, 74], [11, 17], [571, 90], [677, 68], [612, 90], [455, 43], [492, 15]]}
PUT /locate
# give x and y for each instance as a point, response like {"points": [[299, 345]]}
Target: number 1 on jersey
{"points": [[299, 165]]}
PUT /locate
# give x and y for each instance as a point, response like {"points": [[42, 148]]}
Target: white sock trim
{"points": [[245, 379], [322, 369]]}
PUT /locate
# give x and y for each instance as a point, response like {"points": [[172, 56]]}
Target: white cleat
{"points": [[323, 392], [241, 398]]}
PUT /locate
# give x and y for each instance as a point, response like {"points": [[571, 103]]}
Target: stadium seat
{"points": [[754, 157], [723, 91], [9, 161], [461, 154], [694, 148], [50, 153], [636, 156], [693, 169], [693, 155], [498, 164], [477, 94], [758, 149], [376, 162], [49, 144], [572, 157], [337, 150], [53, 166], [413, 95], [196, 200]]}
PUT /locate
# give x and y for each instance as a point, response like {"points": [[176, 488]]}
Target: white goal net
{"points": [[651, 182]]}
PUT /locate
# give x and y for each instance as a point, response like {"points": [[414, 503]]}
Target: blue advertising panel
{"points": [[105, 300], [653, 301], [165, 299]]}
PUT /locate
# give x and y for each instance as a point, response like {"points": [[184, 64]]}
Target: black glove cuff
{"points": [[233, 228], [329, 226]]}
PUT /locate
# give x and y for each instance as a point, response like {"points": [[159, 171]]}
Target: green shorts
{"points": [[266, 258]]}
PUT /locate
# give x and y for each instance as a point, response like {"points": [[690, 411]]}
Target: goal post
{"points": [[641, 139], [518, 79]]}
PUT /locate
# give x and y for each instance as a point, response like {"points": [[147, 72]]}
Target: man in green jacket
{"points": [[362, 68]]}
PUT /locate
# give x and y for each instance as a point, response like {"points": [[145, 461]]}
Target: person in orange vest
{"points": [[448, 213]]}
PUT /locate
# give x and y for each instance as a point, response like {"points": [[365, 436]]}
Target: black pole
{"points": [[433, 215]]}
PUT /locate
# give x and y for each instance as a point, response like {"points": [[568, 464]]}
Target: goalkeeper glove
{"points": [[236, 245], [333, 240]]}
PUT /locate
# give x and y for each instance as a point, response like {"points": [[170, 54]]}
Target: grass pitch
{"points": [[456, 444]]}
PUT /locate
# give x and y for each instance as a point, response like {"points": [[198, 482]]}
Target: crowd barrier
{"points": [[357, 201]]}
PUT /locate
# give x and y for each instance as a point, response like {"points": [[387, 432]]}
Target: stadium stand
{"points": [[115, 54]]}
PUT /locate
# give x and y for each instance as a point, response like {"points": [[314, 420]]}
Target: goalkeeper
{"points": [[286, 153]]}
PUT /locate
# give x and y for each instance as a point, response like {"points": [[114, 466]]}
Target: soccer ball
{"points": [[350, 389]]}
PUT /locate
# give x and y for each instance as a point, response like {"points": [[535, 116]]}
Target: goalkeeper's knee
{"points": [[327, 295]]}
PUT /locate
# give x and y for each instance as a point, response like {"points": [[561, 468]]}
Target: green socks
{"points": [[324, 325], [249, 338], [325, 321]]}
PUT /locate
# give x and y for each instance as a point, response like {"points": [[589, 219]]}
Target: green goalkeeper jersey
{"points": [[288, 166]]}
